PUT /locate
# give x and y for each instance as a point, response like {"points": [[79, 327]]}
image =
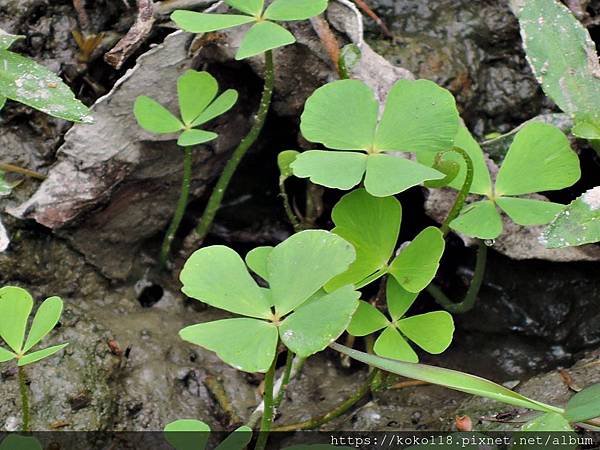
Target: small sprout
{"points": [[539, 159], [198, 104], [27, 82], [294, 308], [431, 331], [15, 307], [265, 34], [419, 116]]}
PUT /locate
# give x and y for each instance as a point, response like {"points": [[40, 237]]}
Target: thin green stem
{"points": [[340, 409], [285, 380], [218, 192], [181, 206], [287, 207], [267, 418], [471, 296], [24, 398], [461, 198]]}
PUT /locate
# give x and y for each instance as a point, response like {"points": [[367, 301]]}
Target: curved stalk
{"points": [[24, 398], [181, 206], [340, 409], [218, 192], [267, 419], [461, 198], [288, 207], [471, 296]]}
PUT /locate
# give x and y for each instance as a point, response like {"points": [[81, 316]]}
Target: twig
{"points": [[408, 383], [135, 36], [20, 170], [369, 12], [218, 392], [328, 39]]}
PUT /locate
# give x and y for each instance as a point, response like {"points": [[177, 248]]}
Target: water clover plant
{"points": [[294, 309], [263, 37], [25, 81], [198, 105], [539, 159], [372, 226], [264, 34], [16, 305], [419, 116], [431, 331]]}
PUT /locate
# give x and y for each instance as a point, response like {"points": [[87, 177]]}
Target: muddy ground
{"points": [[126, 368]]}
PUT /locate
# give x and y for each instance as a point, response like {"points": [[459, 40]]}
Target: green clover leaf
{"points": [[264, 34], [198, 104], [27, 82], [190, 434], [372, 225], [539, 159], [577, 224], [431, 331], [294, 309], [419, 116], [15, 308], [548, 422]]}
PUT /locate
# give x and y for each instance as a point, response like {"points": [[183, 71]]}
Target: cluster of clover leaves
{"points": [[304, 291]]}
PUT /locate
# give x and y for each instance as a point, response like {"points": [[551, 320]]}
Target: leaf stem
{"points": [[287, 207], [267, 419], [285, 380], [218, 192], [471, 296], [22, 171], [340, 409], [181, 206], [24, 398], [461, 198]]}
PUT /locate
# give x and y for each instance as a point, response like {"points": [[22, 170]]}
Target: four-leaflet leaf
{"points": [[419, 116], [294, 309], [15, 307], [198, 104], [265, 34], [431, 331]]}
